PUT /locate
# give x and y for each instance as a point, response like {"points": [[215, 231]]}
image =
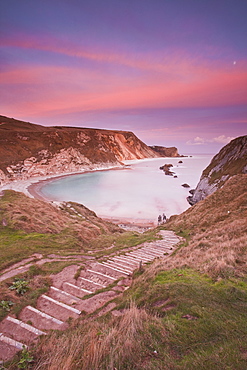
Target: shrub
{"points": [[20, 286]]}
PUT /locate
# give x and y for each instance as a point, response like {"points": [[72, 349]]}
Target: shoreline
{"points": [[24, 186], [32, 188]]}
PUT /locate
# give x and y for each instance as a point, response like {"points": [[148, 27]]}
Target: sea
{"points": [[140, 191]]}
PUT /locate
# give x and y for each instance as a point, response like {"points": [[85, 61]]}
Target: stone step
{"points": [[62, 296], [99, 267], [112, 278], [163, 245], [155, 250], [96, 277], [155, 253], [145, 252], [126, 260], [171, 239], [150, 253], [56, 309], [123, 262], [116, 267], [91, 304], [41, 320], [139, 255], [75, 290], [89, 284], [9, 347], [167, 233], [18, 330], [134, 259]]}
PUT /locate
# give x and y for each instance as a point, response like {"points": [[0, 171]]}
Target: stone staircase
{"points": [[63, 300]]}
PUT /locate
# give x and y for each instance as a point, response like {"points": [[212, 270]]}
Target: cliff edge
{"points": [[30, 150], [230, 161], [166, 152]]}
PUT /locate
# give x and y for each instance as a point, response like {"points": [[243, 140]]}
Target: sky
{"points": [[172, 71]]}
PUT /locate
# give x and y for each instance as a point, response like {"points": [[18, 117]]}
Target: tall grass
{"points": [[96, 345], [218, 232]]}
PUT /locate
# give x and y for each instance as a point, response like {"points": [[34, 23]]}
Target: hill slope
{"points": [[217, 231], [173, 316]]}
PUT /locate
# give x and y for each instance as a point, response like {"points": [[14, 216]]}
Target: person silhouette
{"points": [[164, 217]]}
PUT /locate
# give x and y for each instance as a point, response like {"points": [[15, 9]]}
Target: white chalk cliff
{"points": [[230, 161]]}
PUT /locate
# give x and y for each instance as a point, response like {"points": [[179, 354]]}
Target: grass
{"points": [[38, 280], [181, 313], [37, 285], [16, 245], [172, 324], [34, 226], [216, 230], [112, 243]]}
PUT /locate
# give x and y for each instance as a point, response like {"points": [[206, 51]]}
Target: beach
{"points": [[32, 188], [137, 194]]}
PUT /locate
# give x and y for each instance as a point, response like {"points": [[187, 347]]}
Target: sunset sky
{"points": [[172, 71]]}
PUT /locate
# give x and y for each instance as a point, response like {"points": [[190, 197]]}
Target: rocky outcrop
{"points": [[28, 150], [185, 185], [166, 169], [230, 161], [166, 152]]}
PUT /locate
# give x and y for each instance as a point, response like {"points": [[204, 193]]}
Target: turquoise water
{"points": [[141, 191]]}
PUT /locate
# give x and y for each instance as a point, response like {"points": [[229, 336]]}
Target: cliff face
{"points": [[230, 161], [28, 150], [166, 152]]}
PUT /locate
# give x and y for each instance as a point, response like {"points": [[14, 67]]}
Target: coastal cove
{"points": [[139, 192]]}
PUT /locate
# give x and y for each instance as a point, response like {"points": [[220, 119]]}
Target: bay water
{"points": [[140, 192]]}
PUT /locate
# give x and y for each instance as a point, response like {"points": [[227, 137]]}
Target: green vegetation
{"points": [[25, 359], [59, 231], [181, 313], [20, 286], [178, 319], [16, 245], [6, 305]]}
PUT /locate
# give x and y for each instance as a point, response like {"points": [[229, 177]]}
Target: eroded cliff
{"points": [[230, 161], [166, 152], [28, 150]]}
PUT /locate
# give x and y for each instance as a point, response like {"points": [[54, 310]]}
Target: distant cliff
{"points": [[166, 152], [230, 161], [28, 150]]}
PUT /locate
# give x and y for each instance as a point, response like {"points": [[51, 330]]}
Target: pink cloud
{"points": [[171, 82]]}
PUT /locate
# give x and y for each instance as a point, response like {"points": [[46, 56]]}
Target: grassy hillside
{"points": [[29, 225], [216, 231], [183, 313]]}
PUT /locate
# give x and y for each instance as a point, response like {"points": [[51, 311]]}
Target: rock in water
{"points": [[185, 186]]}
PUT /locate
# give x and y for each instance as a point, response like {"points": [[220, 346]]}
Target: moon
{"points": [[234, 62]]}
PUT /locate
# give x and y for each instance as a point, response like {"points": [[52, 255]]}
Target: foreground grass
{"points": [[180, 319]]}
